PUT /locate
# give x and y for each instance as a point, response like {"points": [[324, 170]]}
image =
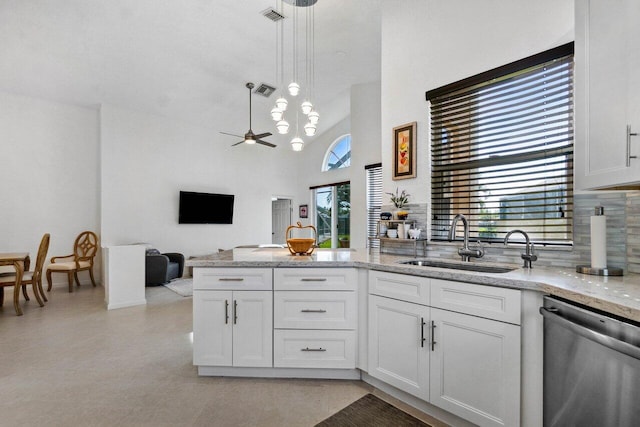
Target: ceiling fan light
{"points": [[281, 104], [276, 114], [282, 126], [297, 144], [309, 129], [249, 141], [306, 107], [294, 89], [313, 117]]}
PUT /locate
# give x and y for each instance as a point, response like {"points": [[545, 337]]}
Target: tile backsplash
{"points": [[623, 235]]}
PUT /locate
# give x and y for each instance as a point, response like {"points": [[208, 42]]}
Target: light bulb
{"points": [[313, 117], [306, 107], [281, 104], [276, 114], [282, 126], [297, 144], [310, 129], [294, 89], [249, 141]]}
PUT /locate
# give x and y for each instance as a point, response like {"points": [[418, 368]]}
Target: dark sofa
{"points": [[162, 268]]}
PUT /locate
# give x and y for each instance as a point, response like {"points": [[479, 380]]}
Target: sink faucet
{"points": [[465, 251], [530, 251]]}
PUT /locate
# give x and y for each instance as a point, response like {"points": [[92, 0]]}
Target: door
{"points": [[212, 328], [252, 328], [475, 368], [280, 220], [399, 344], [333, 215]]}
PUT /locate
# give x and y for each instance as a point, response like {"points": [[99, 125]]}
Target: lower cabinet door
{"points": [[314, 349], [212, 328], [475, 368], [399, 344], [252, 314]]}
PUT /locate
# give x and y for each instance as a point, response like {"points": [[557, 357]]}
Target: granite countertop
{"points": [[616, 295]]}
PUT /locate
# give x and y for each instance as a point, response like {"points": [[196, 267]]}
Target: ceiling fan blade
{"points": [[263, 135], [231, 134], [238, 143], [268, 144]]}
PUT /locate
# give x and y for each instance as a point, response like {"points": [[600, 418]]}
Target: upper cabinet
{"points": [[607, 94]]}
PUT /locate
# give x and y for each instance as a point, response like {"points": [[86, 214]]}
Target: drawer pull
{"points": [[235, 312], [231, 279], [422, 338], [226, 312], [313, 349], [306, 310], [313, 279], [433, 335]]}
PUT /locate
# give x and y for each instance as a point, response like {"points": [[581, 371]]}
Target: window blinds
{"points": [[374, 201], [502, 154]]}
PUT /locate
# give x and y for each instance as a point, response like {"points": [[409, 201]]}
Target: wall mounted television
{"points": [[205, 208]]}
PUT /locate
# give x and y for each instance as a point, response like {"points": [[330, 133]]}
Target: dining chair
{"points": [[33, 278], [84, 250]]}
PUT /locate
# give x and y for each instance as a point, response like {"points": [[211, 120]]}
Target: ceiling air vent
{"points": [[272, 14], [264, 90]]}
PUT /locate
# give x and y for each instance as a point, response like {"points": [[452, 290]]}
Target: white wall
{"points": [[429, 43], [148, 159], [363, 125], [49, 175]]}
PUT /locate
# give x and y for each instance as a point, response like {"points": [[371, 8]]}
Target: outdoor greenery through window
{"points": [[502, 151], [333, 215]]}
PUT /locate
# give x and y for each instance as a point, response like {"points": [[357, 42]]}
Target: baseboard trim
{"points": [[228, 371]]}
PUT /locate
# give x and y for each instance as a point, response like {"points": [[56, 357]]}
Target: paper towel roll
{"points": [[598, 241]]}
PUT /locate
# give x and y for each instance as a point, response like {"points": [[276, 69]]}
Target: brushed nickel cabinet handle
{"points": [[235, 312], [422, 338], [629, 135], [226, 312], [307, 310], [313, 279], [231, 279], [313, 349], [433, 335]]}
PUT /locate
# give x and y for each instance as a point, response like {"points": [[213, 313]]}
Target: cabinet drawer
{"points": [[315, 279], [314, 310], [478, 300], [241, 279], [399, 286], [314, 349]]}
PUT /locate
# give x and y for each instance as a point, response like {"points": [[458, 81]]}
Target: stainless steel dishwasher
{"points": [[591, 367]]}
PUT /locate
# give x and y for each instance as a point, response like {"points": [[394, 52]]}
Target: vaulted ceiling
{"points": [[186, 59]]}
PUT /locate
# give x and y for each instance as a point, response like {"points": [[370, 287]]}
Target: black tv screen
{"points": [[205, 208]]}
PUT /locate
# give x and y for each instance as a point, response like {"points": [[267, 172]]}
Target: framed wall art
{"points": [[404, 151], [303, 211]]}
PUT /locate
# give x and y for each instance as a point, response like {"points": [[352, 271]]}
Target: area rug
{"points": [[182, 287], [369, 411]]}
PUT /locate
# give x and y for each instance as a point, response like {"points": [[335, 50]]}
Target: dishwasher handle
{"points": [[600, 338]]}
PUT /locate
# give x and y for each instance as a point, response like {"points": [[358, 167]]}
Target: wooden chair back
{"points": [[42, 254], [86, 246]]}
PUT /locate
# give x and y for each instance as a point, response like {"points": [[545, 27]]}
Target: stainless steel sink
{"points": [[482, 268]]}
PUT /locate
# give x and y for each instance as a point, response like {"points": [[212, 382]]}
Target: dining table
{"points": [[20, 262]]}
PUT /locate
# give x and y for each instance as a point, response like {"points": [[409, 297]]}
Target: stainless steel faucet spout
{"points": [[465, 251], [529, 254]]}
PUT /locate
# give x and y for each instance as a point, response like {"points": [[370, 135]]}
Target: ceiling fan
{"points": [[250, 137]]}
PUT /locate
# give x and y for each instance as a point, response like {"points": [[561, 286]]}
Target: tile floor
{"points": [[74, 363]]}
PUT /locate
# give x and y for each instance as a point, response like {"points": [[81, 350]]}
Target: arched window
{"points": [[339, 154]]}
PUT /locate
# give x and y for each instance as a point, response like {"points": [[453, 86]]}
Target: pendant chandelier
{"points": [[278, 112]]}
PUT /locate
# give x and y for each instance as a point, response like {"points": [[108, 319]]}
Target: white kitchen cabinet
{"points": [[232, 328], [398, 344], [475, 368], [460, 352], [315, 317], [607, 94], [233, 317]]}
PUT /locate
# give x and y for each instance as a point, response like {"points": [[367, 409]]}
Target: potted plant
{"points": [[399, 200]]}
